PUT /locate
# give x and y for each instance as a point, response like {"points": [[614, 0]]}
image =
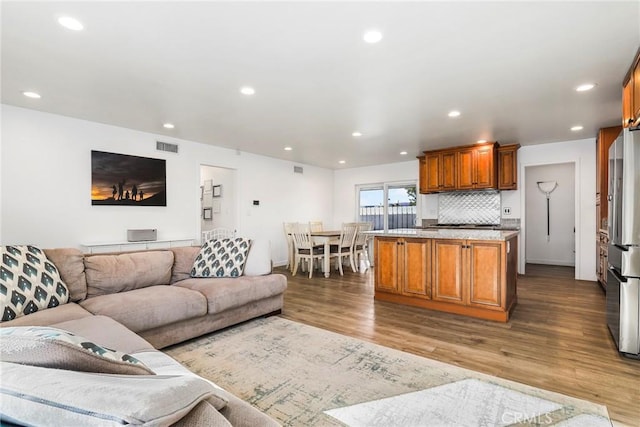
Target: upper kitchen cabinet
{"points": [[470, 167], [439, 171], [631, 94], [477, 167], [508, 167]]}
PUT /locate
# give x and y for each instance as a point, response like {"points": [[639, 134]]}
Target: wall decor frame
{"points": [[217, 191], [207, 214], [125, 180]]}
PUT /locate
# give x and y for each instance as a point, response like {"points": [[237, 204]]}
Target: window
{"points": [[389, 205]]}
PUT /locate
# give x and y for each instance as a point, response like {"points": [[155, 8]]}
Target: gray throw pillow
{"points": [[55, 348]]}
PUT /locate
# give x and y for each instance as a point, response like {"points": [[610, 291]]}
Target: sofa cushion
{"points": [[61, 313], [40, 396], [226, 293], [70, 264], [183, 258], [203, 415], [108, 274], [146, 308], [29, 282], [55, 348], [258, 258], [107, 332], [221, 258]]}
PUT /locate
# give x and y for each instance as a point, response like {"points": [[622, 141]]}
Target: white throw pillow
{"points": [[41, 396], [28, 282], [258, 259]]}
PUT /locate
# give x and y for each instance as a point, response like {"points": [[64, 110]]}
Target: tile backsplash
{"points": [[469, 207]]}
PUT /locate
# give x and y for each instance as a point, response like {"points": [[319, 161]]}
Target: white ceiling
{"points": [[510, 68]]}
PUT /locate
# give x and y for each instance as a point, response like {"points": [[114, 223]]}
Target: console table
{"points": [[96, 248]]}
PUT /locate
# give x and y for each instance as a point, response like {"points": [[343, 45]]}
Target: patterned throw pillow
{"points": [[221, 258], [55, 348], [28, 282]]}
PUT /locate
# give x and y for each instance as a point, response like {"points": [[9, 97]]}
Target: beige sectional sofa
{"points": [[137, 302]]}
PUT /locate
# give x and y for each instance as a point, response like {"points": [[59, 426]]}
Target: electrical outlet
{"points": [[506, 211]]}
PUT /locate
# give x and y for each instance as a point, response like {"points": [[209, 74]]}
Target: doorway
{"points": [[550, 216], [217, 198]]}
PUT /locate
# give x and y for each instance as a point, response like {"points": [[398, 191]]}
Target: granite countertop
{"points": [[447, 233]]}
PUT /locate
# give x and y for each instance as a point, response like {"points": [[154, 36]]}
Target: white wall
{"points": [[227, 216], [346, 180], [46, 176], [583, 154], [558, 248]]}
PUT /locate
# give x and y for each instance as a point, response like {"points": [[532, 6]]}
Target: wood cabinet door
{"points": [[432, 162], [423, 175], [387, 262], [485, 273], [508, 168], [417, 266], [447, 279], [448, 171], [466, 168], [484, 168]]}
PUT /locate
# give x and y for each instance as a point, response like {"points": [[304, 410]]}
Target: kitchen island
{"points": [[467, 272]]}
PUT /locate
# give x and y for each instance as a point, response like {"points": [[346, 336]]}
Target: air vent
{"points": [[297, 169], [165, 146]]}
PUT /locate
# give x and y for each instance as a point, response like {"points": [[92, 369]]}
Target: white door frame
{"points": [[522, 259]]}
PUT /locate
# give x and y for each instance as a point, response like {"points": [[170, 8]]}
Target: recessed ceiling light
{"points": [[342, 162], [403, 153], [70, 23], [454, 113], [31, 95], [576, 128], [372, 36], [481, 141], [585, 87], [247, 90], [168, 125], [288, 148], [356, 134]]}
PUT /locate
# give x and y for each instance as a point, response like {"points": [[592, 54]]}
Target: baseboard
{"points": [[551, 262]]}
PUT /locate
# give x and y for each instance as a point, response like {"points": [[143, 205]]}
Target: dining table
{"points": [[326, 238]]}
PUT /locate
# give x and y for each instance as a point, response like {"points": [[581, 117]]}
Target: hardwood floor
{"points": [[557, 338]]}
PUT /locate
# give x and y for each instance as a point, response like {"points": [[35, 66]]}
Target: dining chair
{"points": [[218, 233], [344, 246], [288, 228], [304, 249], [315, 226], [361, 245]]}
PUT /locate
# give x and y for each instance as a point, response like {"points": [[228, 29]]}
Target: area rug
{"points": [[304, 376]]}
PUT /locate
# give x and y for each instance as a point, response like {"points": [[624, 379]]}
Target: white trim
{"points": [[384, 186], [567, 263]]}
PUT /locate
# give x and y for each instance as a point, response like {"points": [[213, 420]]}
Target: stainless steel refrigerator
{"points": [[623, 275]]}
